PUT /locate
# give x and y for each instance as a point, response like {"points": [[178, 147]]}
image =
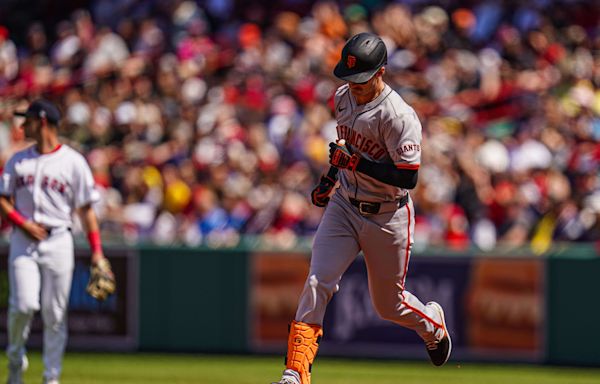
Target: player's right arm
{"points": [[7, 208], [320, 195], [33, 229]]}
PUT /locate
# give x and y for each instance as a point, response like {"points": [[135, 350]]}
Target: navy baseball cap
{"points": [[41, 108]]}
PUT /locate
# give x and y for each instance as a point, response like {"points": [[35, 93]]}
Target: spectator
{"points": [[9, 65], [202, 125]]}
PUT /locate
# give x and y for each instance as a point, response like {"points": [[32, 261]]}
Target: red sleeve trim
{"points": [[16, 218], [408, 166], [55, 149]]}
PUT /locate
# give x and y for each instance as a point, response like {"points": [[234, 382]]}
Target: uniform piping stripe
{"points": [[407, 253], [415, 310], [407, 166], [406, 260]]}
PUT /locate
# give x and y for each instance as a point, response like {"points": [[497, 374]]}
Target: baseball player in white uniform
{"points": [[376, 160], [40, 188]]}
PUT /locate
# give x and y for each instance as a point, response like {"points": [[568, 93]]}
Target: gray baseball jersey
{"points": [[385, 130]]}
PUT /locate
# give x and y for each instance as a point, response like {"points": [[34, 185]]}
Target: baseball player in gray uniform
{"points": [[376, 160], [40, 188]]}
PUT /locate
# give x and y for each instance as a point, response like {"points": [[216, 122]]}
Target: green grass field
{"points": [[97, 368]]}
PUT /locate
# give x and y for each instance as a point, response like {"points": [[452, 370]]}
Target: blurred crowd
{"points": [[207, 122]]}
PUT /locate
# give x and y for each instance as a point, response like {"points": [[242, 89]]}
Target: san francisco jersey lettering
{"points": [[385, 130]]}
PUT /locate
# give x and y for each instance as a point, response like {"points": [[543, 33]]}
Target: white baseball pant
{"points": [[37, 269]]}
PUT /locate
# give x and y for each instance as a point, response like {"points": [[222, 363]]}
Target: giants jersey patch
{"points": [[47, 188], [385, 130]]}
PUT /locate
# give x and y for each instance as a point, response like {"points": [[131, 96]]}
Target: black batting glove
{"points": [[320, 195], [340, 157]]}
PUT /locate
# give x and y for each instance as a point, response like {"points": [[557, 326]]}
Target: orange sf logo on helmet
{"points": [[351, 61]]}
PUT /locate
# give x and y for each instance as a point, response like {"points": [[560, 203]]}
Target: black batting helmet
{"points": [[362, 56]]}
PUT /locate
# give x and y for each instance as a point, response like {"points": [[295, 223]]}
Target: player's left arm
{"points": [[90, 224], [102, 279], [389, 173], [85, 195]]}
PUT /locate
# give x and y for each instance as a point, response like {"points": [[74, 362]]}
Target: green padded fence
{"points": [[573, 309], [197, 299], [192, 299]]}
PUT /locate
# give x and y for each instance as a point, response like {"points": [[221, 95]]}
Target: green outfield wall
{"points": [[193, 300], [504, 305], [573, 300]]}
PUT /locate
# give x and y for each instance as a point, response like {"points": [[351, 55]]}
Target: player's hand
{"points": [[97, 257], [340, 156], [34, 230], [102, 280], [320, 195]]}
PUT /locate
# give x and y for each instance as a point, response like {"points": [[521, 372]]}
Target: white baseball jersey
{"points": [[385, 130], [48, 187]]}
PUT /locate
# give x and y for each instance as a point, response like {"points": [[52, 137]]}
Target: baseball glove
{"points": [[102, 281]]}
